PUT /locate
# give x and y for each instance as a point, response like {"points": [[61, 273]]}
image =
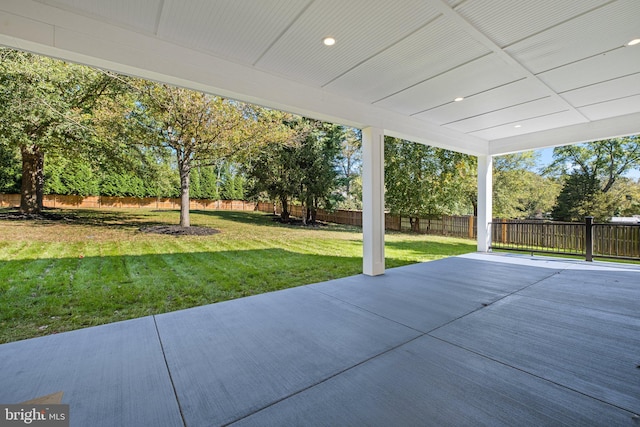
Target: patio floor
{"points": [[479, 339]]}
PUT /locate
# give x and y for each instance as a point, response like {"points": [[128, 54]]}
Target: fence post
{"points": [[504, 230], [588, 237]]}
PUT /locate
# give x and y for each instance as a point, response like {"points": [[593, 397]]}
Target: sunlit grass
{"points": [[96, 267]]}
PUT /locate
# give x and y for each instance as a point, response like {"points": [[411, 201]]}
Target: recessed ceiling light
{"points": [[633, 42], [517, 126], [329, 41], [458, 99]]}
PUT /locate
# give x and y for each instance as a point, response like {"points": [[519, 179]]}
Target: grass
{"points": [[97, 267]]}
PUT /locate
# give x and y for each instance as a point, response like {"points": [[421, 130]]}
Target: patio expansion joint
{"points": [[369, 311], [632, 414], [166, 363], [420, 335], [302, 390], [498, 300]]}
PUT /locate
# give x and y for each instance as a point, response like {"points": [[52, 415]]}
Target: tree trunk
{"points": [[184, 197], [314, 215], [415, 224], [285, 209], [32, 187], [314, 212]]}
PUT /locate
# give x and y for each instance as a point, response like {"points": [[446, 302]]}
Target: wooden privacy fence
{"points": [[568, 238], [80, 202], [455, 226]]}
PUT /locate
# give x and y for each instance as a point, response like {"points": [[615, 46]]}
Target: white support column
{"points": [[485, 202], [373, 201]]}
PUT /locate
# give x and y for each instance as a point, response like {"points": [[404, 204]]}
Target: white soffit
{"points": [[485, 73], [559, 68], [529, 125], [362, 30], [617, 88], [604, 29], [138, 15], [212, 26], [613, 108], [498, 99], [516, 114], [508, 21], [434, 49]]}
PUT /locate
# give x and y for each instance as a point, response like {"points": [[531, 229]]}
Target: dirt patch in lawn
{"points": [[176, 230]]}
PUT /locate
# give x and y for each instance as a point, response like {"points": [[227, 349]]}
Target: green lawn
{"points": [[96, 267]]}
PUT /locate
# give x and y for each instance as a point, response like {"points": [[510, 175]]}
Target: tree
{"points": [[518, 192], [232, 185], [199, 128], [628, 192], [66, 176], [318, 171], [423, 181], [577, 198], [605, 160], [590, 171], [276, 170], [303, 167], [349, 166], [45, 107], [9, 169]]}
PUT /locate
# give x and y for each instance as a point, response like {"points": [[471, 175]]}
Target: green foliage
{"points": [[10, 170], [199, 129], [627, 192], [577, 198], [317, 161], [208, 183], [423, 181], [45, 108], [303, 168], [519, 192], [232, 184], [64, 176], [275, 172], [605, 160], [591, 174], [349, 162]]}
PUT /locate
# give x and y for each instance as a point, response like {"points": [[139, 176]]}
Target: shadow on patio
{"points": [[470, 340]]}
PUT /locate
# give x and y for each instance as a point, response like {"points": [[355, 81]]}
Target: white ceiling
{"points": [[533, 73]]}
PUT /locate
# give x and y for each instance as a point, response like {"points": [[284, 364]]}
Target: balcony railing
{"points": [[586, 239]]}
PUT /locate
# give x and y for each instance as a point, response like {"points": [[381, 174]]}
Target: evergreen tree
{"points": [[577, 197], [9, 170]]}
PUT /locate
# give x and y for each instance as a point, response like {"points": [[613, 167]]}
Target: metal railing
{"points": [[586, 239]]}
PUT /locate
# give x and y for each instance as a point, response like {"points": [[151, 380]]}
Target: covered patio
{"points": [[481, 339]]}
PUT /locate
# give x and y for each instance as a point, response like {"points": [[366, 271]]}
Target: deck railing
{"points": [[586, 239]]}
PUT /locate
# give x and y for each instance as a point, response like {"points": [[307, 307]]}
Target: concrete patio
{"points": [[479, 339]]}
